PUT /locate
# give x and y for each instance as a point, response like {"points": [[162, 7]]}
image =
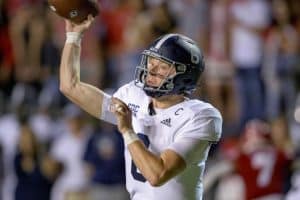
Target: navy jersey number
{"points": [[136, 175]]}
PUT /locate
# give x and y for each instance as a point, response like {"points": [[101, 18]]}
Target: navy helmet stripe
{"points": [[162, 40]]}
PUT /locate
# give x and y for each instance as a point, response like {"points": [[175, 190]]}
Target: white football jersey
{"points": [[188, 128]]}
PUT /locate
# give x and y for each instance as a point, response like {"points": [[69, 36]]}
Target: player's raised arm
{"points": [[84, 95]]}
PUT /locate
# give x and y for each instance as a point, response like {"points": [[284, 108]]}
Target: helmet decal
{"points": [[194, 57], [162, 40]]}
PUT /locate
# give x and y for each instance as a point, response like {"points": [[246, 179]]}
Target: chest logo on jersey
{"points": [[166, 122], [134, 108]]}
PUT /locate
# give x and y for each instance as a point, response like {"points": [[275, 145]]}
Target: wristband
{"points": [[130, 137], [73, 38]]}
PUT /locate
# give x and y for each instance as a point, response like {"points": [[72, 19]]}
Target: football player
{"points": [[166, 134]]}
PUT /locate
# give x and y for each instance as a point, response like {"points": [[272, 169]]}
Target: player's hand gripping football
{"points": [[123, 114], [79, 28]]}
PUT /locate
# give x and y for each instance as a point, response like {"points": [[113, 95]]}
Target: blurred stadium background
{"points": [[49, 149]]}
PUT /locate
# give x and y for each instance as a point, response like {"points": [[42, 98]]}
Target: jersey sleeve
{"points": [[120, 93], [192, 150], [193, 141], [205, 125], [106, 114]]}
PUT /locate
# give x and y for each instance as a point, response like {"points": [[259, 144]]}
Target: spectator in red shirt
{"points": [[262, 167], [6, 54]]}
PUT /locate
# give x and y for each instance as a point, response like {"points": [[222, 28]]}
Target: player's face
{"points": [[158, 71]]}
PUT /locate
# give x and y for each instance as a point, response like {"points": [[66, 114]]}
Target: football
{"points": [[74, 10]]}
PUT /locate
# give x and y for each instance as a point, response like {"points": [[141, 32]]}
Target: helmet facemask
{"points": [[167, 84]]}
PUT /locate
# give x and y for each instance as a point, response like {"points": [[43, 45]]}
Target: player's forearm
{"points": [[70, 68], [150, 165], [84, 95], [153, 167]]}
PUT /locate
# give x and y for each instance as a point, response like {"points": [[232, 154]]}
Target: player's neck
{"points": [[167, 101]]}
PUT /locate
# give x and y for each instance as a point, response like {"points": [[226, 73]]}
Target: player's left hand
{"points": [[123, 114]]}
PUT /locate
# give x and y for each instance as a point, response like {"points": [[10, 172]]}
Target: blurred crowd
{"points": [[50, 149]]}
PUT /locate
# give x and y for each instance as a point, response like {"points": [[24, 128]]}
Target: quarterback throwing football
{"points": [[167, 135]]}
